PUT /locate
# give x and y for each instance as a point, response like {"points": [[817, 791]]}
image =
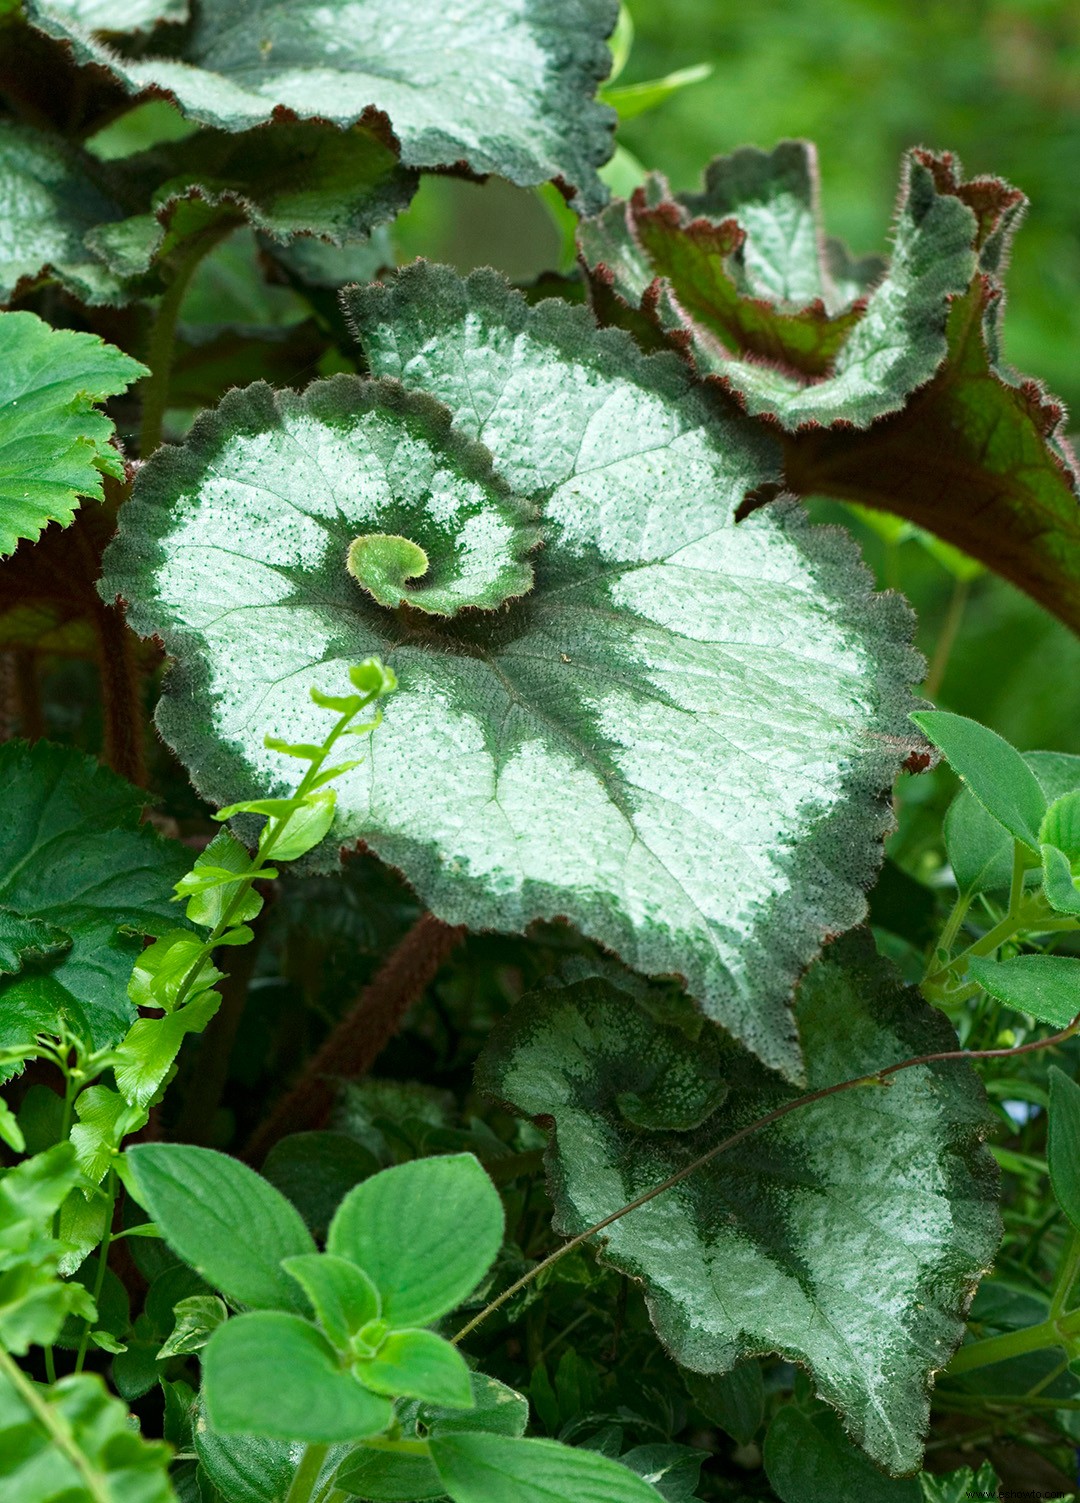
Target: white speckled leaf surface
{"points": [[502, 86], [680, 738], [849, 1236]]}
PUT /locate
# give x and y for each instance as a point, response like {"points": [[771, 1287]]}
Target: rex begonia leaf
{"points": [[74, 856], [299, 178], [502, 86], [54, 441], [739, 275], [678, 738], [889, 388], [49, 201], [107, 17], [848, 1236]]}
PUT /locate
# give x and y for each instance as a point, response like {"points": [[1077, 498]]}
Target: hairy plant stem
{"points": [[302, 1489], [363, 1033], [121, 695], [876, 1078], [1067, 1271], [160, 350], [1061, 1330], [57, 1427]]}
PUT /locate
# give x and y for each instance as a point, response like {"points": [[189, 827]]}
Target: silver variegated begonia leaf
{"points": [[847, 1236], [679, 738]]}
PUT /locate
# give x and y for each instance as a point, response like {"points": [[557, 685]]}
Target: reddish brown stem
{"points": [[362, 1034], [121, 695]]}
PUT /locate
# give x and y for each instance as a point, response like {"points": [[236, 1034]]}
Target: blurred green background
{"points": [[997, 82]]}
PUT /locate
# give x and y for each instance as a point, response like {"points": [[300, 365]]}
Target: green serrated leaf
{"points": [[848, 1236], [424, 1232], [417, 1365], [147, 1052], [162, 970], [273, 1374], [677, 739], [994, 771], [504, 1469], [343, 1297], [223, 1220], [522, 109], [980, 850], [106, 1459], [105, 1117], [49, 202], [34, 1302], [1045, 986], [54, 442], [208, 902], [74, 854], [306, 827]]}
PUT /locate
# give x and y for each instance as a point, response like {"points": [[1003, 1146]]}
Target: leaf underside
{"points": [[888, 386], [678, 738], [75, 856], [503, 86], [849, 1236], [54, 442]]}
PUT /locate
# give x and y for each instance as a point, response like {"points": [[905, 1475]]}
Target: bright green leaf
{"points": [[1047, 987], [306, 827], [418, 1365], [34, 1303], [343, 1297], [688, 769], [1062, 888], [980, 851], [1063, 1152], [223, 1220], [164, 968], [386, 1475], [105, 1118], [207, 904], [146, 1053], [1061, 825], [994, 771], [276, 1375], [54, 440], [425, 1232], [847, 1236], [74, 854], [522, 109], [107, 1460], [501, 1469]]}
